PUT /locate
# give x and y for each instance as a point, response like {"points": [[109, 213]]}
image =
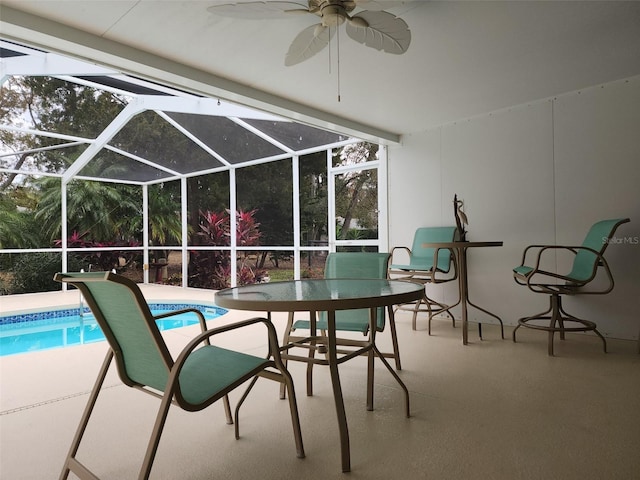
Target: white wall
{"points": [[537, 173]]}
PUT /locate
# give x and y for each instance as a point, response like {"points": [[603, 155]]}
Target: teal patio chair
{"points": [[587, 259], [427, 265], [199, 376], [349, 265]]}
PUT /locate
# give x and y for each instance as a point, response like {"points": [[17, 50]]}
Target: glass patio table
{"points": [[328, 295]]}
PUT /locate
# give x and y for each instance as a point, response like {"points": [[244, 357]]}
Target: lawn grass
{"points": [[280, 275]]}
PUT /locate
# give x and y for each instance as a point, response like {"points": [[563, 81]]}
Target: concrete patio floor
{"points": [[491, 410]]}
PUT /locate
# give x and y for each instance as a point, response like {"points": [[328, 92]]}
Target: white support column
{"points": [[64, 230], [331, 203], [295, 164], [383, 200], [145, 233], [233, 206], [185, 232]]}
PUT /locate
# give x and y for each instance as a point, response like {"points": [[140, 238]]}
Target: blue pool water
{"points": [[60, 328]]}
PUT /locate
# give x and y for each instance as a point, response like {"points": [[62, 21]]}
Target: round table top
{"points": [[319, 295]]}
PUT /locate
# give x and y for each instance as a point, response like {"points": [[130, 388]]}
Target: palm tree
{"points": [[15, 231], [18, 228], [165, 223], [107, 212]]}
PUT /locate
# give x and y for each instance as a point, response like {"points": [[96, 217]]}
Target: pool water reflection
{"points": [[20, 334]]}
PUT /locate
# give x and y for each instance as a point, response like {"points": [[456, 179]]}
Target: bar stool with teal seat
{"points": [[588, 259], [427, 265]]}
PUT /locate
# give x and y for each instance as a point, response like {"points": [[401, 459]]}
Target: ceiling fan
{"points": [[374, 27]]}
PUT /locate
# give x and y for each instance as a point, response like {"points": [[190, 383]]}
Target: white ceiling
{"points": [[465, 58]]}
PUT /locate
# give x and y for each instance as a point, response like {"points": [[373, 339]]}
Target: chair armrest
{"points": [[523, 262], [201, 319], [406, 249], [391, 265], [178, 312], [274, 348], [432, 274], [437, 246], [436, 253], [184, 310], [537, 271]]}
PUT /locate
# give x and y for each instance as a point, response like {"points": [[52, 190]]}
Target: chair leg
{"points": [[440, 308], [431, 314], [240, 402], [287, 381], [588, 324], [71, 464], [521, 321], [295, 418], [415, 314], [154, 441], [312, 355], [431, 311], [227, 409], [557, 317]]}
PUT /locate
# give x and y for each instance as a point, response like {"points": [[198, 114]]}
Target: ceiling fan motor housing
{"points": [[332, 12], [333, 15]]}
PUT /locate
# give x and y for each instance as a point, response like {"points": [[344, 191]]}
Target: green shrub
{"points": [[33, 272]]}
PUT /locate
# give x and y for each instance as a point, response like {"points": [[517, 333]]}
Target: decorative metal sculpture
{"points": [[461, 217]]}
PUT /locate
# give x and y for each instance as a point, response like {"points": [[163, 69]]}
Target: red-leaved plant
{"points": [[213, 269], [101, 261]]}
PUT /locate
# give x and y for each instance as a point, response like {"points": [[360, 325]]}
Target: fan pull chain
{"points": [[329, 50], [338, 50]]}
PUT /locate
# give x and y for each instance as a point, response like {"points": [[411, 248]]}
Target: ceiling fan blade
{"points": [[308, 42], [259, 10], [385, 32], [377, 5]]}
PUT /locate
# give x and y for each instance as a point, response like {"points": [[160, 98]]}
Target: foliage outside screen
{"points": [[110, 214]]}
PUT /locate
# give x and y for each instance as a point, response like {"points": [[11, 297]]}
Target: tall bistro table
{"points": [[327, 295], [460, 251]]}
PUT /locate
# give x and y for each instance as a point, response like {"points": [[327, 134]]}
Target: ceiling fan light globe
{"points": [[333, 15]]}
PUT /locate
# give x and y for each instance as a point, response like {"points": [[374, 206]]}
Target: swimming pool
{"points": [[29, 332]]}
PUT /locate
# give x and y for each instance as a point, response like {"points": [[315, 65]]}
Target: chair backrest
{"points": [[358, 265], [121, 311], [422, 257], [585, 263]]}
